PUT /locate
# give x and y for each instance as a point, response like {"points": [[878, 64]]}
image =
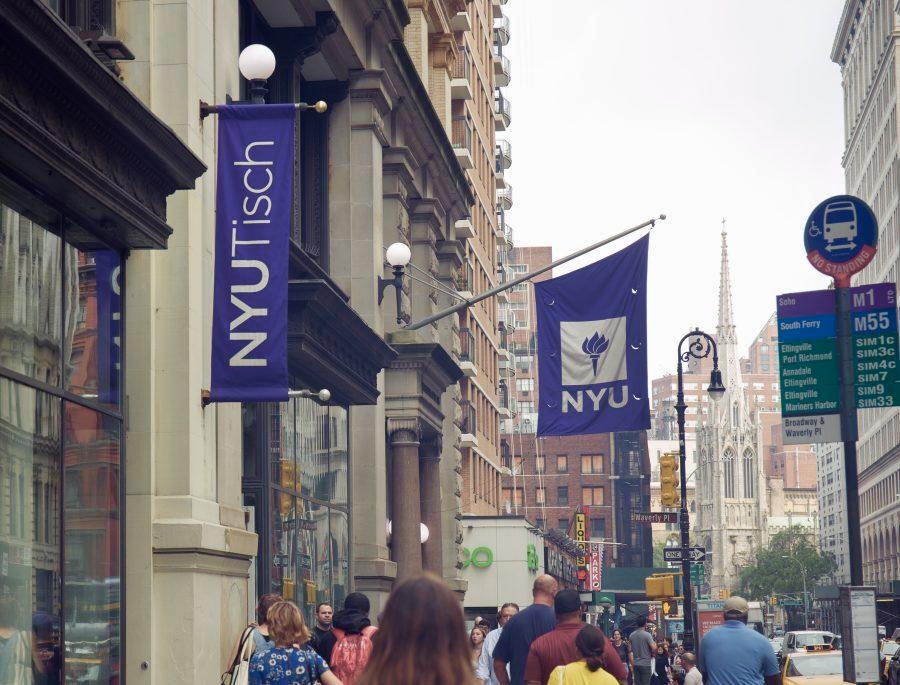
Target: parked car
{"points": [[776, 643]]}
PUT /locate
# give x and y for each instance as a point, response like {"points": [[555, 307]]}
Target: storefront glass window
{"points": [[29, 532], [91, 537], [94, 367], [31, 288], [303, 521], [60, 441]]}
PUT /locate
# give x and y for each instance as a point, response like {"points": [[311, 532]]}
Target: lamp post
{"points": [[700, 346], [803, 576]]}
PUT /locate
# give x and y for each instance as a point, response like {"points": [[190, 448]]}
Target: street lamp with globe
{"points": [[700, 346]]}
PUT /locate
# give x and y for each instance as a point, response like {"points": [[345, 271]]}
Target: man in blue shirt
{"points": [[733, 654], [522, 629]]}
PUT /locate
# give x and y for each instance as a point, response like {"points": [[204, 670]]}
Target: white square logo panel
{"points": [[593, 352]]}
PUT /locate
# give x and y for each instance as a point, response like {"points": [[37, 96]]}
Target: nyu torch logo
{"points": [[593, 347], [593, 360]]}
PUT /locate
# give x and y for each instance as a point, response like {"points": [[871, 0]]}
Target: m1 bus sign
{"points": [[841, 237]]}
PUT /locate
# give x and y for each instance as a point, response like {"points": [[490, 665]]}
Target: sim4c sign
{"points": [[841, 237]]}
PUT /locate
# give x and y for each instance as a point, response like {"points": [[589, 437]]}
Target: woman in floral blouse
{"points": [[287, 663]]}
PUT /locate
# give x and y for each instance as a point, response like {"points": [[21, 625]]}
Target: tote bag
{"points": [[239, 673]]}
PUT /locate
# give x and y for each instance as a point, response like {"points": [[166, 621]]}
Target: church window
{"points": [[735, 415], [728, 459], [749, 474]]}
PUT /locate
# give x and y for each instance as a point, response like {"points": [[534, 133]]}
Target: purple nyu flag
{"points": [[253, 216], [592, 346]]}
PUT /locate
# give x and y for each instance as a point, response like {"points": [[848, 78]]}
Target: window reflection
{"points": [[31, 283], [302, 446], [91, 535], [93, 325], [29, 535]]}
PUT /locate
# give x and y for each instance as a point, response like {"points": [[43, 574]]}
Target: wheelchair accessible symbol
{"points": [[841, 237]]}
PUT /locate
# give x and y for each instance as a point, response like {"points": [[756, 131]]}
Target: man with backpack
{"points": [[352, 634]]}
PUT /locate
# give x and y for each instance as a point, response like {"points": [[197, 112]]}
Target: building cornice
{"points": [[76, 134], [846, 28]]}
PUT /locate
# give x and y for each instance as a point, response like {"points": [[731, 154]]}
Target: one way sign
{"points": [[695, 554]]}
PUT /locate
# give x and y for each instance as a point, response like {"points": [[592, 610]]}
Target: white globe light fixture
{"points": [[257, 64], [423, 532], [398, 256]]}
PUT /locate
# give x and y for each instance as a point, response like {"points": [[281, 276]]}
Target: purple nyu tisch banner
{"points": [[253, 216]]}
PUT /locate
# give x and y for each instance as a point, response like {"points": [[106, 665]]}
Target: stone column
{"points": [[430, 492], [406, 548]]}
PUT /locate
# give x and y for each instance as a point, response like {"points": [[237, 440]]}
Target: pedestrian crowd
{"points": [[421, 639]]}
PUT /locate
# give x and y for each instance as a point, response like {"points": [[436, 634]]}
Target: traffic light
{"points": [[668, 480], [660, 586], [773, 600], [670, 607]]}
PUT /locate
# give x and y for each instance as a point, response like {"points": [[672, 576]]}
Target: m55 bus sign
{"points": [[876, 377], [809, 360]]}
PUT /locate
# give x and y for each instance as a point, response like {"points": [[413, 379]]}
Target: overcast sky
{"points": [[699, 109]]}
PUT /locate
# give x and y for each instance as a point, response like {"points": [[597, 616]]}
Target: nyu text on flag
{"points": [[592, 346]]}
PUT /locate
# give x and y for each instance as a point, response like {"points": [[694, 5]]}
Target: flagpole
{"points": [[526, 277]]}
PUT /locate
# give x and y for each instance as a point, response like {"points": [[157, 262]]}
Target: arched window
{"points": [[728, 461], [749, 474]]}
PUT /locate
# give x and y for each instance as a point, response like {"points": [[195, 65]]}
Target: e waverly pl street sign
{"points": [[654, 516]]}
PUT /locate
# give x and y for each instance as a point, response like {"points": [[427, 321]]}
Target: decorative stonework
{"points": [[76, 132], [330, 346], [404, 430]]}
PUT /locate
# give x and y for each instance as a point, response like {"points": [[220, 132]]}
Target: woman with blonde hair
{"points": [[291, 661], [422, 638]]}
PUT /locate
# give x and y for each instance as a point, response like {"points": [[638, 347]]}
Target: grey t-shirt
{"points": [[640, 647]]}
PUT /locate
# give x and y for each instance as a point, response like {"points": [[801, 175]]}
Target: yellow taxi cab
{"points": [[817, 665]]}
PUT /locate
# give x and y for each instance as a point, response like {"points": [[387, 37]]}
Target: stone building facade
{"points": [[218, 503], [866, 49]]}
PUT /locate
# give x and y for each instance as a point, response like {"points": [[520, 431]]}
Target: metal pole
{"points": [[805, 601], [526, 277], [849, 430], [687, 591]]}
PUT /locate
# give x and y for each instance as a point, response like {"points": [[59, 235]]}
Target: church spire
{"points": [[726, 335], [725, 332]]}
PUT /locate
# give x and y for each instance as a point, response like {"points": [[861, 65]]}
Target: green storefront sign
{"points": [[483, 557]]}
